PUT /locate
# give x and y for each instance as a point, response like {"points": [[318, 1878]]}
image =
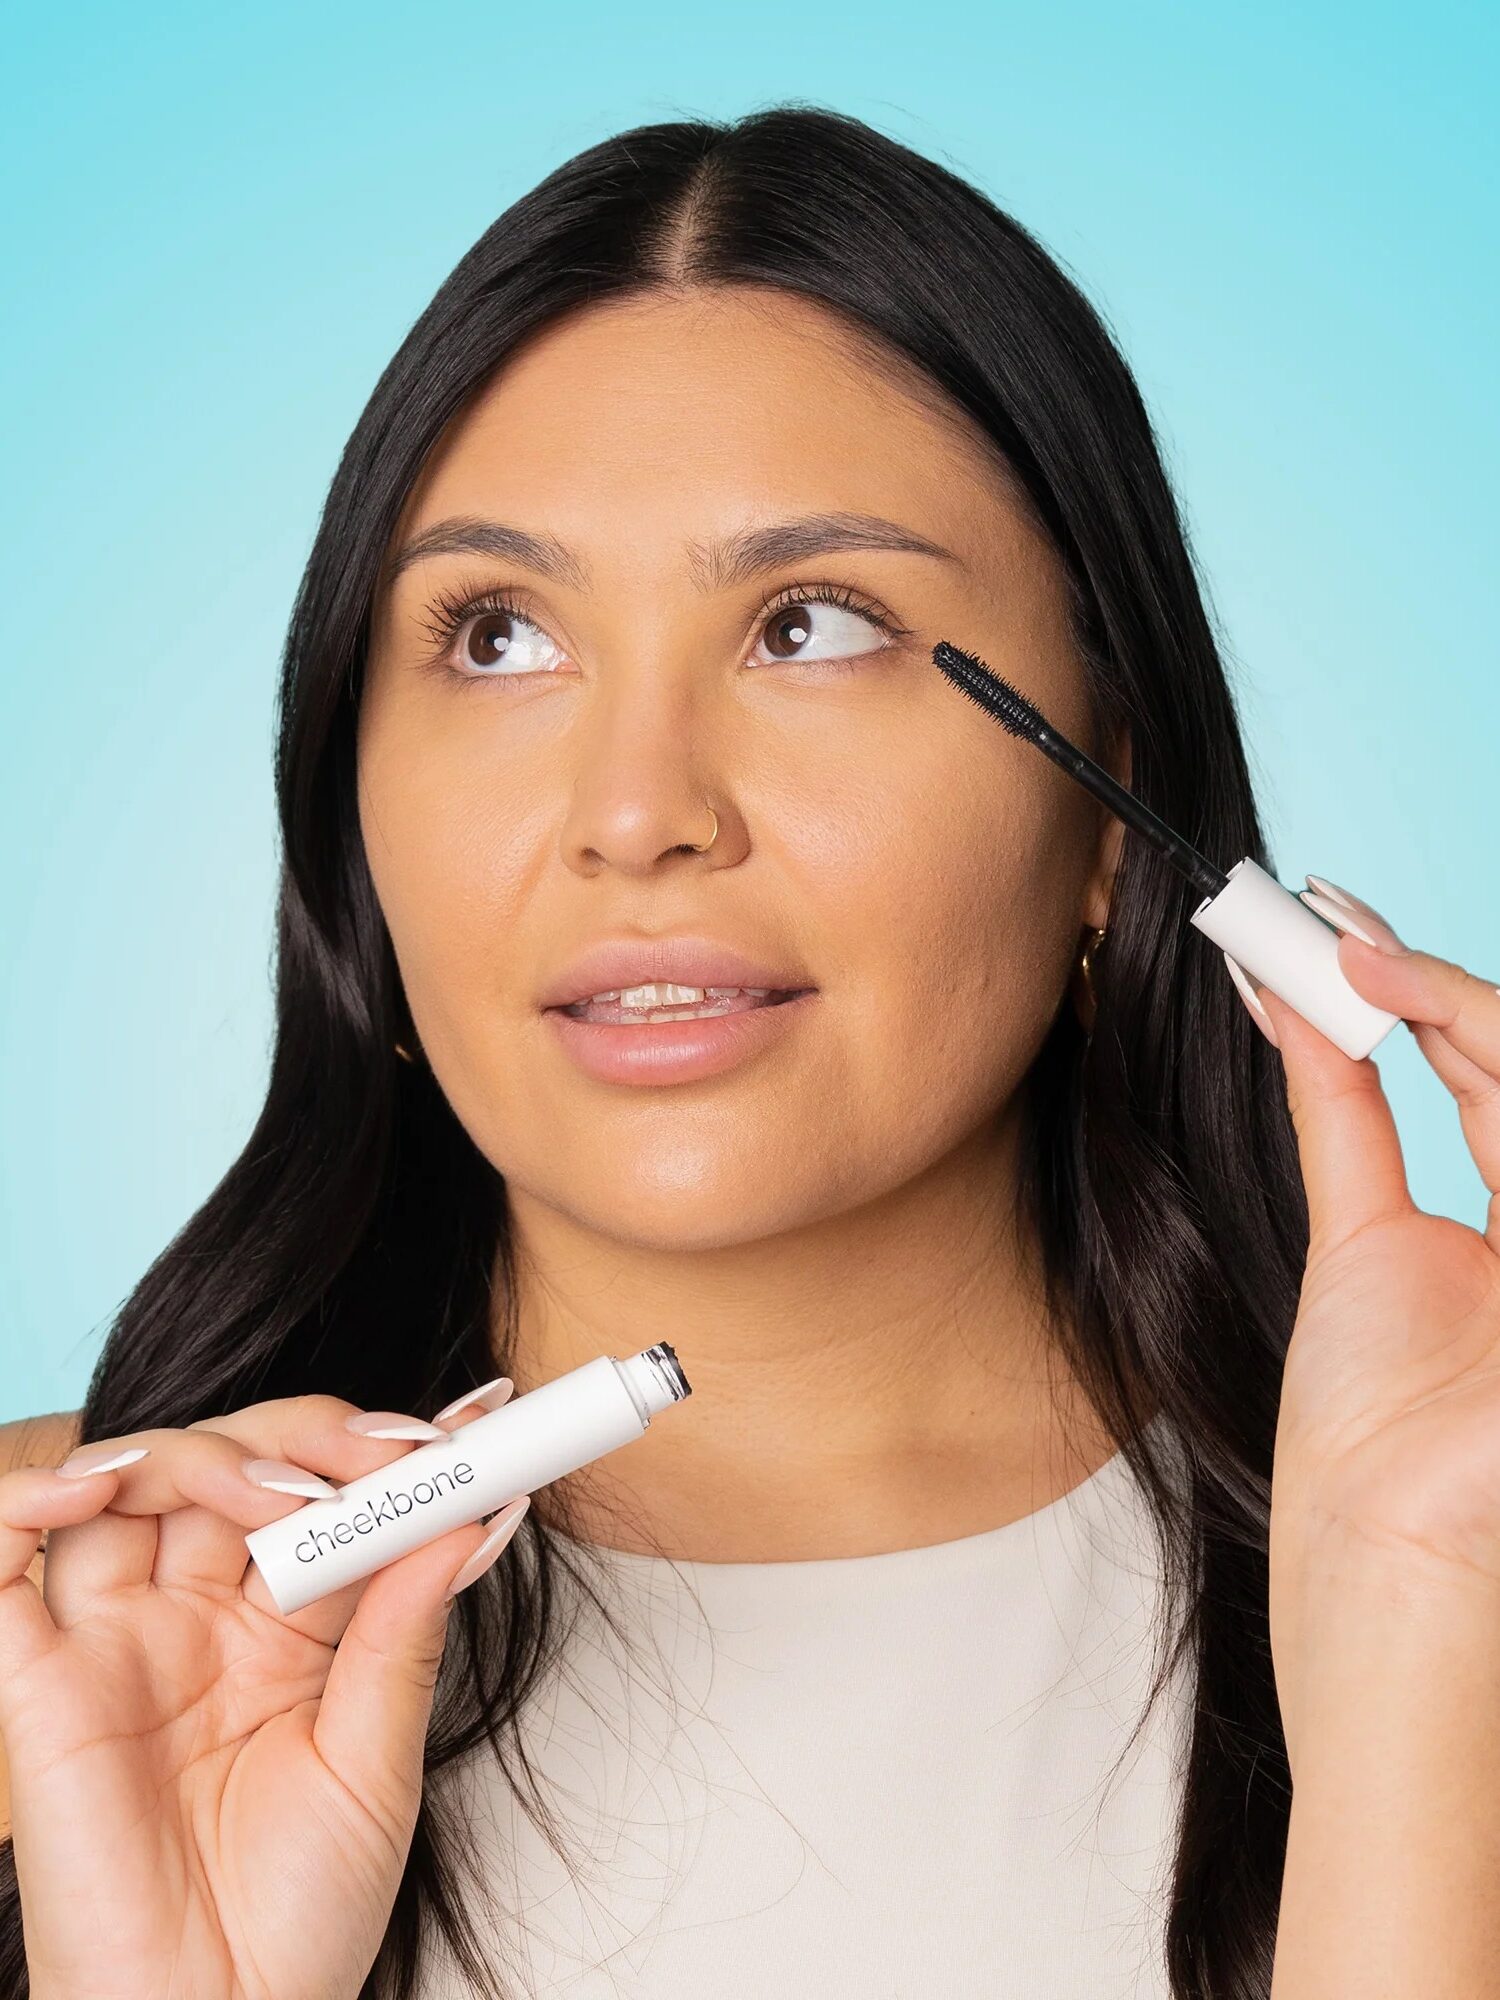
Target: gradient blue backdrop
{"points": [[222, 221]]}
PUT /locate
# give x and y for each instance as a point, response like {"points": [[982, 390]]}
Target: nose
{"points": [[640, 795]]}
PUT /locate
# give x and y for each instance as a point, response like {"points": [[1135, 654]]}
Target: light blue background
{"points": [[219, 224]]}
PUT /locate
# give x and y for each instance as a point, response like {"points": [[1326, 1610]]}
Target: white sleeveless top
{"points": [[881, 1777]]}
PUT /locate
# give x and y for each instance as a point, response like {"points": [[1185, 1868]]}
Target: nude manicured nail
{"points": [[1252, 1000], [1366, 925], [491, 1394], [280, 1477], [391, 1424], [1331, 889], [502, 1528], [101, 1457], [1351, 906]]}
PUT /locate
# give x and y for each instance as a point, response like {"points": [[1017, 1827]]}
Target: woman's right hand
{"points": [[208, 1798]]}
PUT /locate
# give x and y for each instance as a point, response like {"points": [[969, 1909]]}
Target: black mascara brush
{"points": [[1248, 914], [1014, 712]]}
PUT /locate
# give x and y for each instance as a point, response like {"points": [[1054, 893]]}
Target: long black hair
{"points": [[359, 1244]]}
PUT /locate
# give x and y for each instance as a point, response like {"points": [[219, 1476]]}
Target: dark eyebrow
{"points": [[714, 565], [718, 565], [468, 535]]}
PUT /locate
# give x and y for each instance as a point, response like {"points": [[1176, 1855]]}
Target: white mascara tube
{"points": [[528, 1442], [1291, 949]]}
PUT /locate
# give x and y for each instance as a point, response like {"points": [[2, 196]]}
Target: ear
{"points": [[1099, 893]]}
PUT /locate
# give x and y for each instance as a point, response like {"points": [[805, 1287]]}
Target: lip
{"points": [[676, 1051], [678, 961]]}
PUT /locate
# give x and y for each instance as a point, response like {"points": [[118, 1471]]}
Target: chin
{"points": [[667, 1219]]}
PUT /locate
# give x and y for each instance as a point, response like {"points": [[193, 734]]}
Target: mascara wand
{"points": [[1247, 913], [1014, 712]]}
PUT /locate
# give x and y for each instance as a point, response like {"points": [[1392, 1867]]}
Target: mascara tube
{"points": [[528, 1442], [1290, 948]]}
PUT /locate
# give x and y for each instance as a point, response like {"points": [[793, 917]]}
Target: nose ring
{"points": [[702, 847]]}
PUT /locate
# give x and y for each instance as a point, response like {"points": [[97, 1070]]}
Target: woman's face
{"points": [[878, 835]]}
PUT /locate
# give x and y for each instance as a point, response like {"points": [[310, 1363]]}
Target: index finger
{"points": [[312, 1430], [295, 1426], [1455, 1017]]}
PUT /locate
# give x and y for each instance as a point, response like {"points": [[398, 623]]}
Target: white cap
{"points": [[1288, 947]]}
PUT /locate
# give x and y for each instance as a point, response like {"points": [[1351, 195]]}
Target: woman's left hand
{"points": [[1388, 1440]]}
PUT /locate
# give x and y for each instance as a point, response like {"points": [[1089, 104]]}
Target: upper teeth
{"points": [[660, 994]]}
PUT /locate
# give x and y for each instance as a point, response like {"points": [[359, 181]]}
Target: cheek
{"points": [[964, 933], [446, 851]]}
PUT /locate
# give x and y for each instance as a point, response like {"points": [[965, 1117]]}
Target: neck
{"points": [[880, 1379]]}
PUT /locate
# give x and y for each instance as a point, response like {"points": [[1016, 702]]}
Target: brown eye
{"points": [[489, 639], [789, 631], [822, 632], [500, 644]]}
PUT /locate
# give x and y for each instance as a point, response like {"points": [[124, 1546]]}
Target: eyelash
{"points": [[450, 613]]}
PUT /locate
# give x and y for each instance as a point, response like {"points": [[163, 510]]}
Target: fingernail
{"points": [[492, 1394], [1348, 902], [391, 1424], [1252, 1000], [1332, 889], [1373, 929], [101, 1457], [280, 1477], [502, 1528]]}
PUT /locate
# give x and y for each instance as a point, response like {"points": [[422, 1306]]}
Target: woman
{"points": [[618, 627]]}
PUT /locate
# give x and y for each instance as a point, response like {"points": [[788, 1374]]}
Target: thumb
{"points": [[1349, 1149], [371, 1729]]}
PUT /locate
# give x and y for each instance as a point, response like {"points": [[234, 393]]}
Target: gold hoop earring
{"points": [[703, 847], [1086, 975]]}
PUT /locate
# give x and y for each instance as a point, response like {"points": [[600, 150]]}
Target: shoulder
{"points": [[32, 1441], [38, 1440]]}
